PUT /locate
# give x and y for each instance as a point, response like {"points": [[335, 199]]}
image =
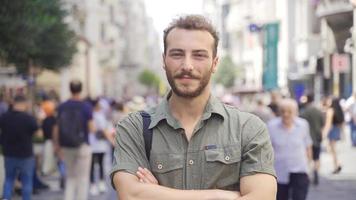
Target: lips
{"points": [[186, 76]]}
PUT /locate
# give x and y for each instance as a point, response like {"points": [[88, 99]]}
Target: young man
{"points": [[292, 147], [201, 148], [17, 128], [316, 120], [71, 141]]}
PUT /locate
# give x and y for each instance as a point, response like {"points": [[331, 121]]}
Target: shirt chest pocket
{"points": [[222, 167], [168, 169]]}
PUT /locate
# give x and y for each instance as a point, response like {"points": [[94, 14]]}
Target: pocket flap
{"points": [[162, 163], [227, 155]]}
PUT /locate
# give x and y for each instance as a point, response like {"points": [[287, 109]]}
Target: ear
{"points": [[163, 61], [215, 64]]}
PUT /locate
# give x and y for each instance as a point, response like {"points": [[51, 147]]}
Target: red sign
{"points": [[341, 63]]}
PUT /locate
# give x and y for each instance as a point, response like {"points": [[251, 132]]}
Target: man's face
{"points": [[189, 61], [287, 113]]}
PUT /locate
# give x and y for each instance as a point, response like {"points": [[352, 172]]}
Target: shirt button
{"points": [[227, 158], [191, 162], [159, 166]]}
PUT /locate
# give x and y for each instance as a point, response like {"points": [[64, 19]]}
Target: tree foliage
{"points": [[226, 73], [32, 32], [149, 78]]}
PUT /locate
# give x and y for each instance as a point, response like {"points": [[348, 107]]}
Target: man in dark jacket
{"points": [[17, 128], [316, 121]]}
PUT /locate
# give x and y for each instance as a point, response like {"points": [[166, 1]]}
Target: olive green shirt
{"points": [[226, 145]]}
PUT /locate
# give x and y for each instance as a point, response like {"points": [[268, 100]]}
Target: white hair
{"points": [[288, 103]]}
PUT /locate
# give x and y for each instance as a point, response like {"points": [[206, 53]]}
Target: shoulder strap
{"points": [[147, 133]]}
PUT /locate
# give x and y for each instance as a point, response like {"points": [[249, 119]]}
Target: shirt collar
{"points": [[295, 122], [162, 112]]}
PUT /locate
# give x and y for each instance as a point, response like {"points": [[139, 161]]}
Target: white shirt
{"points": [[100, 123], [290, 147]]}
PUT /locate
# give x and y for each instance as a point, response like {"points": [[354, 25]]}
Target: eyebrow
{"points": [[200, 51], [175, 51], [194, 51]]}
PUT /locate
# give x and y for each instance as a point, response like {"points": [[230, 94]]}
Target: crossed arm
{"points": [[145, 186]]}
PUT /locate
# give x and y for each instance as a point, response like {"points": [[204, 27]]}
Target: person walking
{"points": [[264, 112], [292, 147], [17, 128], [316, 120], [200, 148], [334, 124], [71, 139], [351, 109], [51, 162], [99, 142]]}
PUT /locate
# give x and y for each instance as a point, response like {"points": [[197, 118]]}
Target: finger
{"points": [[140, 175], [147, 171], [142, 178], [150, 176]]}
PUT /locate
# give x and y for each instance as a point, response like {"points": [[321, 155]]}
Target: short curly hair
{"points": [[192, 22]]}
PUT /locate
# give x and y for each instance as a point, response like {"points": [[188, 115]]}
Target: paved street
{"points": [[343, 185]]}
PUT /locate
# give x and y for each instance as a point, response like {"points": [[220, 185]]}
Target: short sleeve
{"points": [[257, 151], [33, 124], [88, 111], [129, 151]]}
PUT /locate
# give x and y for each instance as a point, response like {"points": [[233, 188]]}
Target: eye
{"points": [[176, 55], [200, 55]]}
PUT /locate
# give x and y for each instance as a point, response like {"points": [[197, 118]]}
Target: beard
{"points": [[185, 91]]}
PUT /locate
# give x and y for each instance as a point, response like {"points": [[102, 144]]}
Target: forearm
{"points": [[130, 188], [143, 191], [55, 135], [310, 153]]}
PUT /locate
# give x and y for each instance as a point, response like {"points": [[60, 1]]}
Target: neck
{"points": [[19, 108], [188, 108], [288, 125], [76, 97]]}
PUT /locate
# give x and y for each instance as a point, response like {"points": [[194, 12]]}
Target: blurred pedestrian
{"points": [[333, 128], [3, 105], [71, 139], [316, 121], [50, 162], [292, 147], [351, 109], [17, 128], [100, 146], [191, 144], [275, 98], [264, 112], [119, 111]]}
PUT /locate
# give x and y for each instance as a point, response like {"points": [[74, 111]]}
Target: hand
{"points": [[57, 150], [146, 176]]}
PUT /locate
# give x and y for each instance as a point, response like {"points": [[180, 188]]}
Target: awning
{"points": [[340, 24]]}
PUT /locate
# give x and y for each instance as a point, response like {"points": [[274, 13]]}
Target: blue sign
{"points": [[270, 56]]}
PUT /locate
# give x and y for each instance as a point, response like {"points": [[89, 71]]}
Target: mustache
{"points": [[186, 74]]}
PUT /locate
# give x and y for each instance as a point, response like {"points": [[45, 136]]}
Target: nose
{"points": [[187, 64]]}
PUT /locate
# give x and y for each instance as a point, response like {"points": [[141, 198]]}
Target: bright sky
{"points": [[163, 11]]}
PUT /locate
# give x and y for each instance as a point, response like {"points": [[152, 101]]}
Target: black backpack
{"points": [[71, 127], [147, 133]]}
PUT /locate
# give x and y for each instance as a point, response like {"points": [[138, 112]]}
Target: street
{"points": [[341, 186]]}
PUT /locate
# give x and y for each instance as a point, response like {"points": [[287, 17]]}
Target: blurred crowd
{"points": [[48, 162]]}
